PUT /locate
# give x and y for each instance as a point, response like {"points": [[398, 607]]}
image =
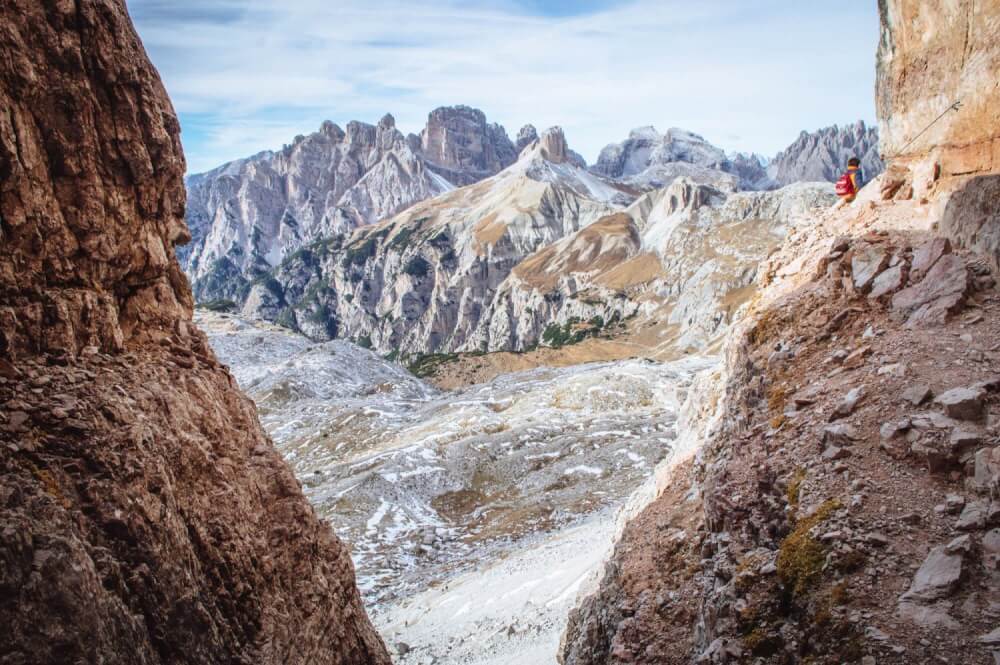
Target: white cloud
{"points": [[758, 71]]}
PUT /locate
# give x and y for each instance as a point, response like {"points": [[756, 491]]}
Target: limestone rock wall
{"points": [[930, 55], [146, 517]]}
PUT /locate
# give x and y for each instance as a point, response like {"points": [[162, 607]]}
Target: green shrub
{"points": [[800, 555], [358, 253], [286, 319], [440, 240], [427, 364], [402, 239], [417, 267], [269, 282], [218, 305]]}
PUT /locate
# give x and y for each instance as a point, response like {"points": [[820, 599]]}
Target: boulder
{"points": [[926, 255], [991, 549], [963, 403], [961, 441], [941, 293], [849, 403], [834, 453], [892, 429], [917, 394], [986, 469], [867, 262], [972, 217], [888, 281], [935, 452], [973, 516], [893, 180], [954, 503], [939, 575], [839, 434]]}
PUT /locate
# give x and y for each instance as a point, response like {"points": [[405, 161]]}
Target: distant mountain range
{"points": [[460, 239], [246, 216]]}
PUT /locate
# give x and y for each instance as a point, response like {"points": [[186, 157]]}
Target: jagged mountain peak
{"points": [[552, 145], [645, 147], [645, 132], [525, 137], [332, 130], [822, 155], [462, 146], [247, 215]]}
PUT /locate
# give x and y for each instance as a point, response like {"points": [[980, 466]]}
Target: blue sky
{"points": [[248, 75]]}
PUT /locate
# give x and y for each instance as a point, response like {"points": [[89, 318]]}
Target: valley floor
{"points": [[474, 516], [512, 609]]}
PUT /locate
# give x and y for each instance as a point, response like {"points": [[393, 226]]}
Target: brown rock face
{"points": [[461, 144], [932, 54], [90, 183], [554, 145], [146, 517]]}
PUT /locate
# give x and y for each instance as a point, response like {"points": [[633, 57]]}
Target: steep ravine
{"points": [[146, 516]]}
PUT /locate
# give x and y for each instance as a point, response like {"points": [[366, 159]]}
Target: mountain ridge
{"points": [[473, 270], [247, 215]]}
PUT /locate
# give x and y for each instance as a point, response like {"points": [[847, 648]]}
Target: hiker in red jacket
{"points": [[850, 182]]}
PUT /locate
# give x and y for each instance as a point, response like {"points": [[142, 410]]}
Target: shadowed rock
{"points": [[147, 518]]}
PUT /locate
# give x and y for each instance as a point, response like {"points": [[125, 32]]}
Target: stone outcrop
{"points": [[821, 156], [972, 218], [247, 215], [460, 144], [525, 137], [930, 56], [146, 516]]}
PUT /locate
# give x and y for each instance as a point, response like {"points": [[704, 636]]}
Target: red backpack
{"points": [[845, 186]]}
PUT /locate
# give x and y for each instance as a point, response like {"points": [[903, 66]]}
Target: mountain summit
{"points": [[246, 215]]}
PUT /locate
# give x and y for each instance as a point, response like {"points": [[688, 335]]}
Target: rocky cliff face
{"points": [[463, 147], [247, 215], [822, 155], [420, 281], [147, 517], [840, 507], [929, 57]]}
